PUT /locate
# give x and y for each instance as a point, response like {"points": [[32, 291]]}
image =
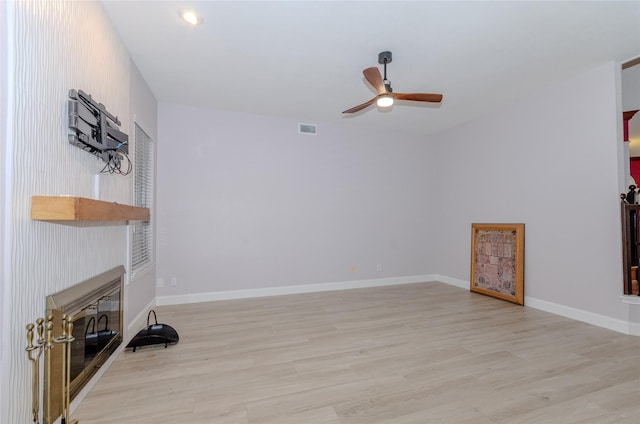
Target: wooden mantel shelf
{"points": [[63, 208]]}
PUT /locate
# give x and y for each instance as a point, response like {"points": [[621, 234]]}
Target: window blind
{"points": [[142, 237]]}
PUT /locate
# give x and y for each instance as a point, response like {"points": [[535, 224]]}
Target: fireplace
{"points": [[95, 309]]}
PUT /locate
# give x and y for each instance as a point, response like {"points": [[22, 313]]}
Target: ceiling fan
{"points": [[386, 96]]}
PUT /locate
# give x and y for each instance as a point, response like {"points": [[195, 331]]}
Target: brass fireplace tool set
{"points": [[34, 352], [43, 344]]}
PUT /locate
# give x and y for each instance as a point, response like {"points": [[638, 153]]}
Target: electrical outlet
{"points": [[174, 281], [353, 268], [379, 267], [159, 282]]}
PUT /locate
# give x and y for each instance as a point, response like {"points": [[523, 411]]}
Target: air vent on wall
{"points": [[311, 129]]}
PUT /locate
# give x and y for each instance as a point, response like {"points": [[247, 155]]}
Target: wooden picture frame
{"points": [[497, 261]]}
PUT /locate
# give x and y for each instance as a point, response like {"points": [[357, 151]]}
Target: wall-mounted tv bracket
{"points": [[94, 129]]}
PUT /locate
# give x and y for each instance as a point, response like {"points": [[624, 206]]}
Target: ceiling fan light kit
{"points": [[384, 100], [386, 96]]}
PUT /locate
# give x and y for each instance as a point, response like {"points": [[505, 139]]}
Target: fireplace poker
{"points": [[67, 376], [34, 351], [65, 339], [34, 372], [47, 356], [62, 338]]}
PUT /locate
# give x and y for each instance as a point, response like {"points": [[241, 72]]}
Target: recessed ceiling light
{"points": [[191, 17]]}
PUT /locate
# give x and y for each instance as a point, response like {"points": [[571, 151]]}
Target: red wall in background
{"points": [[634, 169]]}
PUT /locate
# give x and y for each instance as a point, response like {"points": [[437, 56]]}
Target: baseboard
{"points": [[283, 290], [603, 321], [452, 281], [620, 326]]}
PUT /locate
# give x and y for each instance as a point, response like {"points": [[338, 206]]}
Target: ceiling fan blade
{"points": [[419, 97], [375, 79], [362, 106]]}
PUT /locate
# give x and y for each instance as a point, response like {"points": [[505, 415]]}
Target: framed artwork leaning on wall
{"points": [[497, 261]]}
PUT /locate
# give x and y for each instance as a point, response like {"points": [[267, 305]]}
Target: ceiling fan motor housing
{"points": [[384, 58]]}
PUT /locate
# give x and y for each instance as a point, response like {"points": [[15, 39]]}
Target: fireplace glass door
{"points": [[95, 309]]}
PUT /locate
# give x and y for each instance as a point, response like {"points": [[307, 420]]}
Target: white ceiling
{"points": [[304, 59]]}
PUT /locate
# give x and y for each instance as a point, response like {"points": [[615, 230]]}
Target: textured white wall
{"points": [[246, 202], [550, 161], [5, 45], [57, 45]]}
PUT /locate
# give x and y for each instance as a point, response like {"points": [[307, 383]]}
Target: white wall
{"points": [[141, 290], [550, 161], [631, 101], [246, 202], [52, 47], [631, 88]]}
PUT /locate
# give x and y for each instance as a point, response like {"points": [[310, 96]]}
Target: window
{"points": [[142, 237]]}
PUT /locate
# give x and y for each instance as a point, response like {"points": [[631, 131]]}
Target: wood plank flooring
{"points": [[411, 354]]}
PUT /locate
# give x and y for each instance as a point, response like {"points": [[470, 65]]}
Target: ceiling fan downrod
{"points": [[383, 59]]}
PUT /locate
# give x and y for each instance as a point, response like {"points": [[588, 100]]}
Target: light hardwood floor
{"points": [[419, 353]]}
